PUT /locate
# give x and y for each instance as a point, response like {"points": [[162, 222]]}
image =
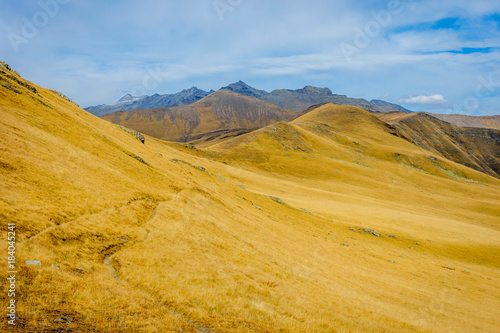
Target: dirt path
{"points": [[107, 261], [44, 231]]}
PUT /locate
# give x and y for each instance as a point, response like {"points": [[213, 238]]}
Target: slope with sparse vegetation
{"points": [[477, 148]]}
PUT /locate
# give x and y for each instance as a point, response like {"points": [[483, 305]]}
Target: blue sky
{"points": [[438, 56]]}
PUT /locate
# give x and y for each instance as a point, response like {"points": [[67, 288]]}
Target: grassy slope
{"points": [[477, 148], [188, 247]]}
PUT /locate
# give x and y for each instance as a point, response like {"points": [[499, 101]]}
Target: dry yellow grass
{"points": [[169, 246]]}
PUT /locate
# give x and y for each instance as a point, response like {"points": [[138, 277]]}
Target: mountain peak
{"points": [[127, 98], [244, 89], [193, 88], [316, 90]]}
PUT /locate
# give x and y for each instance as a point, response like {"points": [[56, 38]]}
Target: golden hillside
{"points": [[477, 148], [329, 223]]}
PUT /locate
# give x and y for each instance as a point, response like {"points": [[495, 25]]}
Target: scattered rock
{"points": [[81, 270], [417, 244], [221, 178], [392, 261], [366, 231], [137, 135], [243, 187], [344, 244], [371, 232], [64, 320], [392, 236], [175, 160], [306, 211], [64, 97], [8, 72], [258, 207], [6, 66], [140, 159], [56, 266], [450, 268], [276, 199], [33, 263]]}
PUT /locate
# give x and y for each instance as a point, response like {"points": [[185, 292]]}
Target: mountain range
{"points": [[129, 102], [333, 220], [222, 110], [294, 100]]}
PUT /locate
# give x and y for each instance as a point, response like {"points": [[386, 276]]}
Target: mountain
{"points": [[294, 100], [390, 107], [129, 102], [223, 110], [241, 87], [477, 148], [301, 99], [331, 222], [470, 121]]}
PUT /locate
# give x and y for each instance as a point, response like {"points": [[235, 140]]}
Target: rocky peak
{"points": [[127, 98], [244, 89], [316, 91], [5, 66]]}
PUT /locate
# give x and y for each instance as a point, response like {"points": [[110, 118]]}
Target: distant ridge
{"points": [[492, 122], [390, 106], [129, 102], [301, 99], [295, 100]]}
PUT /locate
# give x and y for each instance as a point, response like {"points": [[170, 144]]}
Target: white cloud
{"points": [[424, 99]]}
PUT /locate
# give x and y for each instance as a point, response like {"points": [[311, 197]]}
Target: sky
{"points": [[437, 56]]}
